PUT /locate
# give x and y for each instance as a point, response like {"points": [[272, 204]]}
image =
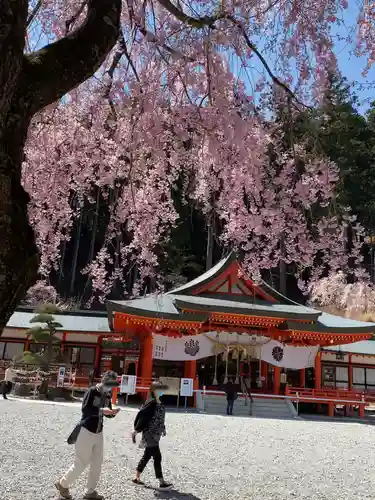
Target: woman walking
{"points": [[88, 438], [150, 420]]}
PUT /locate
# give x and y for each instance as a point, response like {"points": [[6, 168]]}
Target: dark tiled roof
{"points": [[206, 277], [172, 304], [327, 323], [365, 347], [239, 307]]}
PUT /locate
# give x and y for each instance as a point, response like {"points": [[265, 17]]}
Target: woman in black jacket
{"points": [[88, 438], [150, 420]]}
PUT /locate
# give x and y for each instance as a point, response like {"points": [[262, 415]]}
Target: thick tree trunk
{"points": [[27, 84], [18, 253]]}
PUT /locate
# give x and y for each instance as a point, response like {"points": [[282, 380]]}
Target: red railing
{"points": [[332, 398], [325, 393]]}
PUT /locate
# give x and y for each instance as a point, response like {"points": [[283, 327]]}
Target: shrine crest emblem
{"points": [[192, 347], [277, 353]]}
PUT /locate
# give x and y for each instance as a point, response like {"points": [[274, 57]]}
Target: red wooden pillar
{"points": [[190, 369], [350, 373], [331, 410], [276, 380], [302, 377], [63, 340], [145, 361], [318, 371], [196, 388]]}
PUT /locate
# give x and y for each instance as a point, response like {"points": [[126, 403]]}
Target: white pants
{"points": [[89, 452]]}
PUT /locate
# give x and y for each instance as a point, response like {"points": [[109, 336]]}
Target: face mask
{"points": [[107, 388]]}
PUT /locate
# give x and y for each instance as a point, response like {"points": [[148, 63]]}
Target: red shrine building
{"points": [[223, 302], [219, 326]]}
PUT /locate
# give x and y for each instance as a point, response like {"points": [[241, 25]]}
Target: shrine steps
{"points": [[260, 408]]}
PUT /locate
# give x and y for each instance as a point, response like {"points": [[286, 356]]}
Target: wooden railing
{"points": [[342, 394], [332, 398]]}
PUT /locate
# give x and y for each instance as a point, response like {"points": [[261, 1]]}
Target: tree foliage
{"points": [[44, 332], [165, 104]]}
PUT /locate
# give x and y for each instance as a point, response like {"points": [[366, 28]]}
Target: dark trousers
{"points": [[230, 404], [7, 387], [151, 452]]}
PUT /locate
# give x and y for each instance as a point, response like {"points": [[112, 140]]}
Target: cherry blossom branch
{"points": [[209, 21], [73, 19], [121, 50], [56, 69], [131, 63], [265, 64], [150, 37], [199, 22], [115, 61]]}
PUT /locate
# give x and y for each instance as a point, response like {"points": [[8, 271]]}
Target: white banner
{"points": [[187, 348], [285, 356], [194, 347]]}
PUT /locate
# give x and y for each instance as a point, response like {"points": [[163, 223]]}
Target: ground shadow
{"points": [[173, 494]]}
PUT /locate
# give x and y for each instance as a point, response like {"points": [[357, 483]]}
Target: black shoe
{"points": [[138, 482], [165, 486], [5, 397]]}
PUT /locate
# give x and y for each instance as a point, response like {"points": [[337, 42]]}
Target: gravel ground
{"points": [[206, 457]]}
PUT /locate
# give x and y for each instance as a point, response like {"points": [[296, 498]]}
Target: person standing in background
{"points": [[88, 438], [231, 393], [8, 381]]}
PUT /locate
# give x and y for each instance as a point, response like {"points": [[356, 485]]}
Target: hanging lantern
{"points": [[340, 356]]}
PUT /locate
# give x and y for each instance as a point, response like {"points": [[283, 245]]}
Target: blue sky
{"points": [[352, 66]]}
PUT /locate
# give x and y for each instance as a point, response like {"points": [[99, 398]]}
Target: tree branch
{"points": [[56, 69], [199, 22], [265, 64], [210, 21], [69, 23], [34, 13]]}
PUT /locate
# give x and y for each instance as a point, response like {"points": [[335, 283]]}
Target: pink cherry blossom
{"points": [[175, 101]]}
